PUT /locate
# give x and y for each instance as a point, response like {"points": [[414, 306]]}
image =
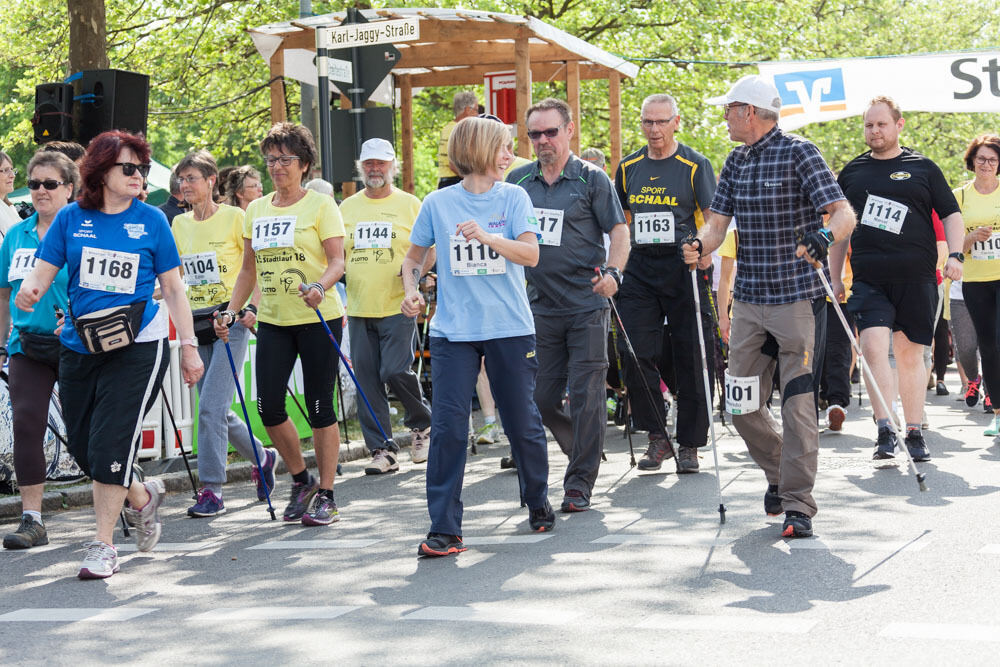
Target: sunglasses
{"points": [[129, 168], [551, 133], [48, 184]]}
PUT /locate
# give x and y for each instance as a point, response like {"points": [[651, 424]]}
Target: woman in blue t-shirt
{"points": [[32, 347], [485, 233], [116, 353]]}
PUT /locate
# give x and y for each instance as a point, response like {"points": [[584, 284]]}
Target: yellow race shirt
{"points": [[211, 254], [728, 247], [378, 237], [444, 171], [982, 263], [288, 246]]}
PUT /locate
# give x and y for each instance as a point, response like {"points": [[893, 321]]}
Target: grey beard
{"points": [[375, 181]]}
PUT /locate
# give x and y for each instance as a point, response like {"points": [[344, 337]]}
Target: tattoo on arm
{"points": [[416, 278]]}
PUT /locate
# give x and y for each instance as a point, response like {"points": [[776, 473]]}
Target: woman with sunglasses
{"points": [[115, 349], [242, 186], [8, 214], [294, 250], [210, 241], [32, 347]]}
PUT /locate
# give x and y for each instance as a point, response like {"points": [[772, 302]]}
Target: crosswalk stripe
{"points": [[295, 545], [957, 631], [70, 614], [819, 544], [490, 614], [484, 540], [728, 623], [272, 613], [173, 546], [990, 549], [679, 539]]}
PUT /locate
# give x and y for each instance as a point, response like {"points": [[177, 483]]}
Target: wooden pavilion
{"points": [[458, 47]]}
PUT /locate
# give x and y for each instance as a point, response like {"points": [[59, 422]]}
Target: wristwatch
{"points": [[960, 256], [615, 273], [192, 341]]}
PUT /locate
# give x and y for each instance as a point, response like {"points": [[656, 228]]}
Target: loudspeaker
{"points": [[110, 99], [53, 119]]}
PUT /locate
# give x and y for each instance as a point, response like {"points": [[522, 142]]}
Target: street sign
{"points": [[340, 70], [374, 64], [368, 34]]}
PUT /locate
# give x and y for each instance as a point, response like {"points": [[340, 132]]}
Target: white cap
{"points": [[377, 149], [751, 89]]}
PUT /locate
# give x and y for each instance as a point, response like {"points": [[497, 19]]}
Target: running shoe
{"points": [[302, 495], [508, 463], [208, 504], [438, 544], [772, 501], [265, 473], [488, 434], [322, 511], [100, 561], [658, 450], [420, 445], [542, 519], [575, 501], [992, 430], [885, 446], [29, 534], [797, 524], [687, 460], [942, 390], [384, 461], [835, 416], [915, 444], [146, 521], [987, 405], [972, 391]]}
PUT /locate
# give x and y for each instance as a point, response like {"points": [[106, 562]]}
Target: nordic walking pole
{"points": [[622, 396], [180, 441], [870, 383], [423, 339], [246, 420], [635, 360], [708, 394]]}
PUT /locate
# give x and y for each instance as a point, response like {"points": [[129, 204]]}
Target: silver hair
{"points": [[463, 100], [320, 186], [660, 98], [766, 114]]}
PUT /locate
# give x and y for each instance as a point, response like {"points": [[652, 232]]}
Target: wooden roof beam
{"points": [[466, 76]]}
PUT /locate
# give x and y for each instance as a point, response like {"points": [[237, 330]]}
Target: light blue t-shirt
{"points": [[113, 259], [477, 307], [14, 267]]}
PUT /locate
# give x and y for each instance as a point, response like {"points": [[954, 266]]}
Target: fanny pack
{"points": [[110, 328], [43, 348], [204, 325]]}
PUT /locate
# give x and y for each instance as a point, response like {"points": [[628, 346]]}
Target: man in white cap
{"points": [[778, 187], [378, 221]]}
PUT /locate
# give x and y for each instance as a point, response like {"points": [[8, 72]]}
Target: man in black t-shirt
{"points": [[664, 188], [893, 190]]}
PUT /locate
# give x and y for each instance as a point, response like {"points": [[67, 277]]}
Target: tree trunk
{"points": [[87, 35]]}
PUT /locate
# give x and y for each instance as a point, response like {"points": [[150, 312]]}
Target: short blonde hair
{"points": [[474, 143]]}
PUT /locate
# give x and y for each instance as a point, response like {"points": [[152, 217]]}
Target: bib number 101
{"points": [[742, 394]]}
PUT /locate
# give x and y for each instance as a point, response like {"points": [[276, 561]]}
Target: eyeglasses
{"points": [[726, 108], [189, 179], [550, 133], [283, 160], [8, 170], [650, 123], [48, 184], [987, 160], [129, 168]]}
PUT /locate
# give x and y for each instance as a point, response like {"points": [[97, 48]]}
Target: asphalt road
{"points": [[648, 576]]}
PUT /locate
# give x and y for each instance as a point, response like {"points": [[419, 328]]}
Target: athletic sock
{"points": [[883, 423], [326, 492], [490, 420], [301, 477], [37, 516], [214, 488], [910, 428]]}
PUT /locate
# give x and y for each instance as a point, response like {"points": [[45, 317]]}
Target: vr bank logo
{"points": [[811, 92]]}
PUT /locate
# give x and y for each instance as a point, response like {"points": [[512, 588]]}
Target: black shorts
{"points": [[906, 307]]}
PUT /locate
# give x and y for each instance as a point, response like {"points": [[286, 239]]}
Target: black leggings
{"points": [[30, 385], [942, 348], [277, 348], [983, 302]]}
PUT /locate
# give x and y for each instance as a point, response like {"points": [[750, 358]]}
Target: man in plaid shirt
{"points": [[778, 187]]}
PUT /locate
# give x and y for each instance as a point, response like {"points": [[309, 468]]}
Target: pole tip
{"points": [[920, 481], [722, 513], [271, 512]]}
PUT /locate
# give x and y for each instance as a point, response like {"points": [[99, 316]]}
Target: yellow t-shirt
{"points": [[444, 171], [374, 287], [980, 210], [728, 247], [288, 245], [211, 254], [517, 162]]}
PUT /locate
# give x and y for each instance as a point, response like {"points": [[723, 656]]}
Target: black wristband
{"points": [[252, 308], [3, 350], [701, 246]]}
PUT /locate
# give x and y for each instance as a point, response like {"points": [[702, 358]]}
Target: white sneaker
{"points": [[147, 520], [835, 416], [420, 445], [384, 461], [488, 434], [100, 562]]}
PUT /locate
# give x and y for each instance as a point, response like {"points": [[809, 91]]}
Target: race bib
{"points": [[742, 394], [21, 264], [274, 232], [985, 250], [201, 268], [884, 214], [550, 225], [373, 235], [108, 270], [472, 258], [654, 227]]}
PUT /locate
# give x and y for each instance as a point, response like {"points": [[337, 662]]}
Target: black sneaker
{"points": [[942, 390], [687, 459], [885, 446], [772, 501], [575, 501], [797, 524], [915, 444], [438, 544], [302, 495], [29, 534], [658, 450], [542, 519], [508, 463]]}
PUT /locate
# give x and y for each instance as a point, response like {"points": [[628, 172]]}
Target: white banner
{"points": [[818, 91]]}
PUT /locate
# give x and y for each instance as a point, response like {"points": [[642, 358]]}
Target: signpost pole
{"points": [[356, 92], [325, 140]]}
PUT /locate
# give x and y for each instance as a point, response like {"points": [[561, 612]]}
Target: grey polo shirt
{"points": [[560, 283]]}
